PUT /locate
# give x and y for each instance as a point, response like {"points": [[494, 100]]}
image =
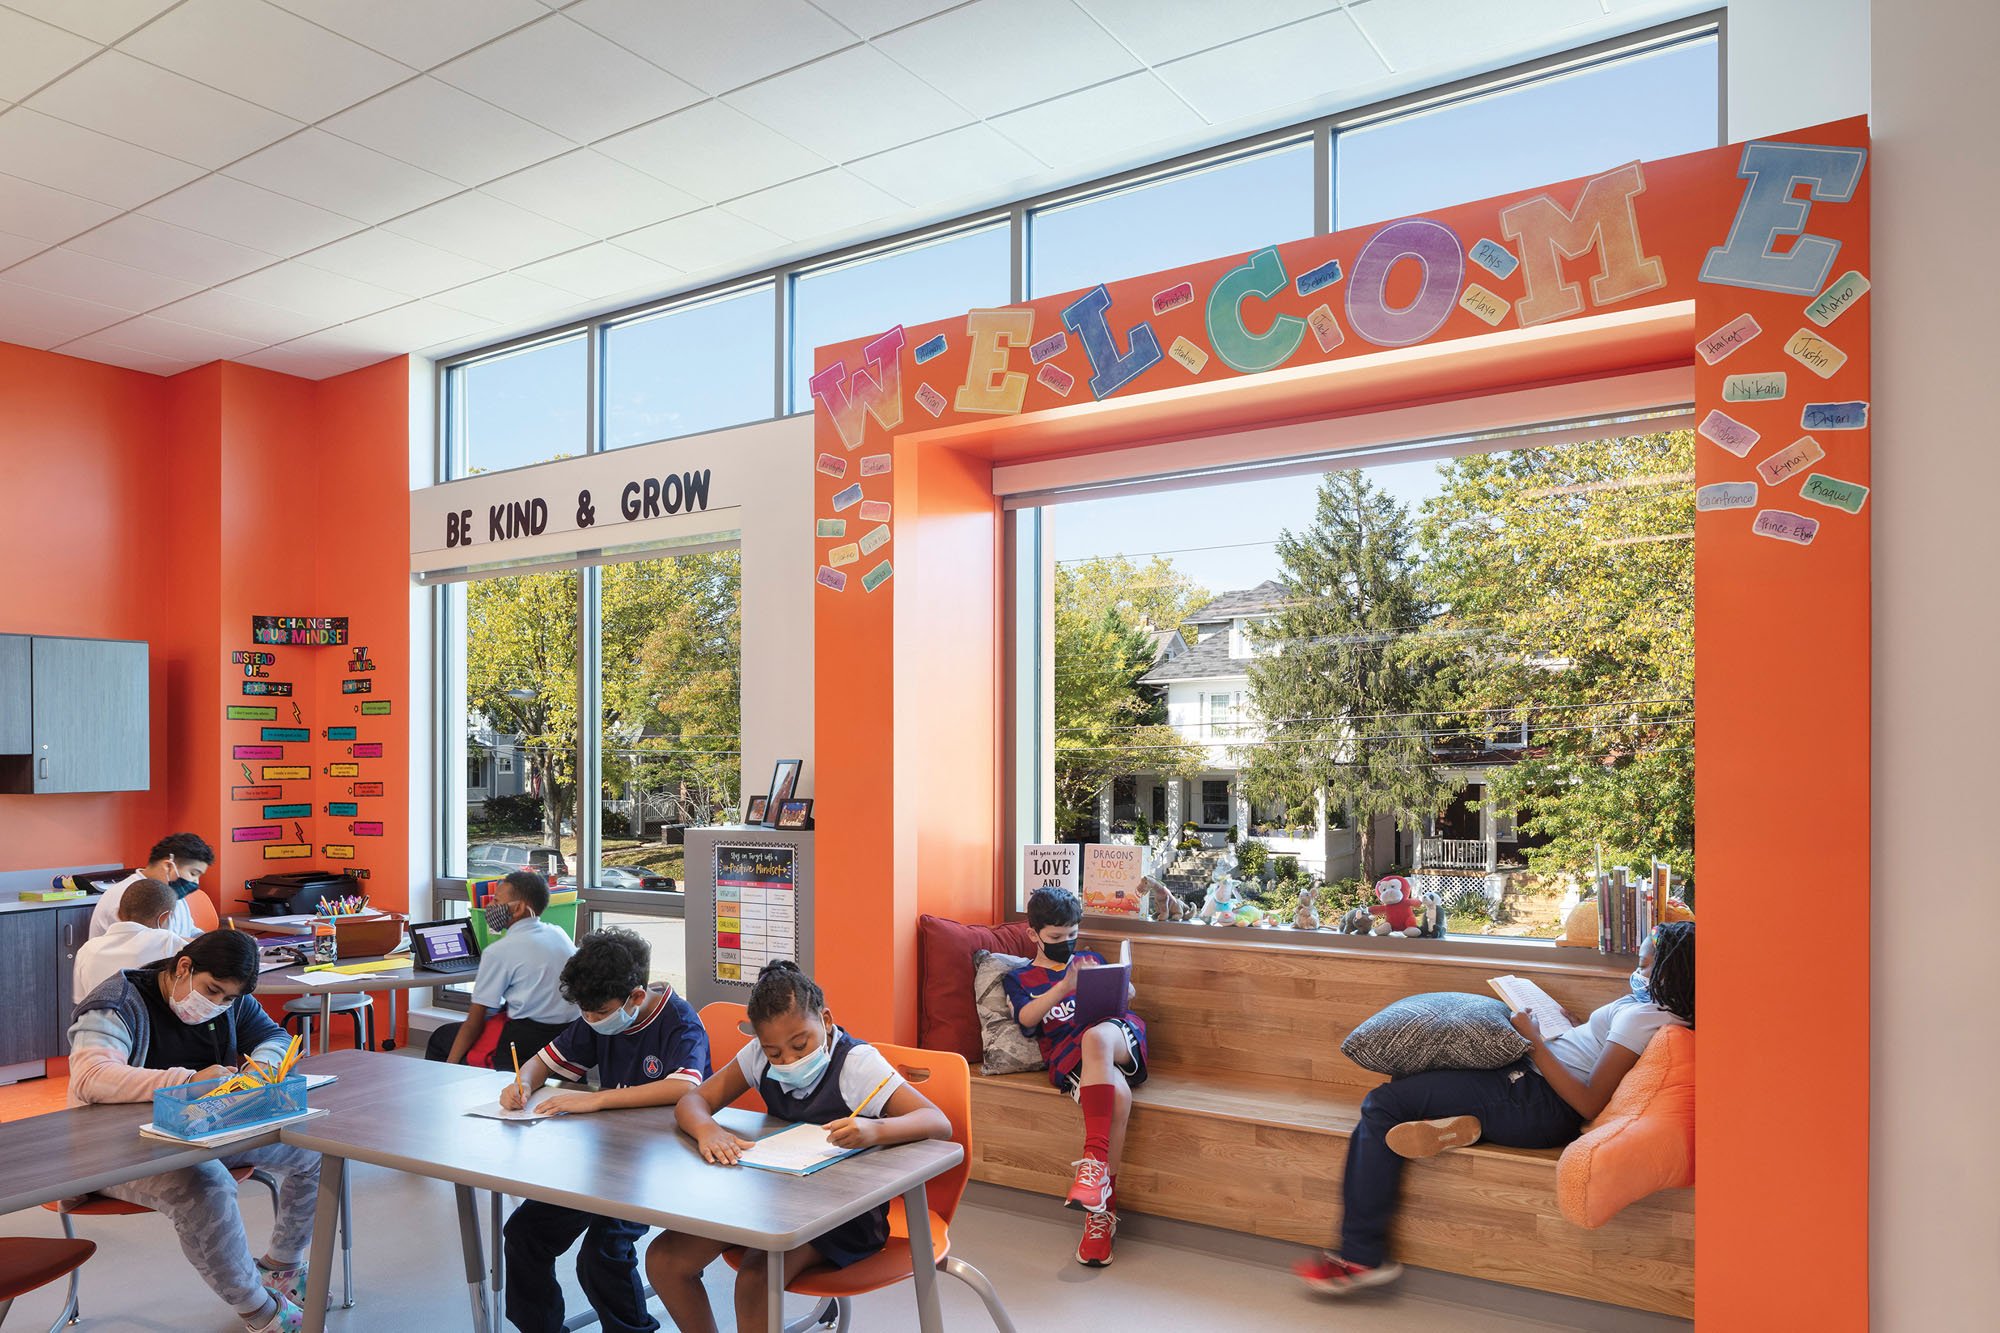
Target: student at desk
{"points": [[183, 1020], [139, 936], [521, 972], [178, 860]]}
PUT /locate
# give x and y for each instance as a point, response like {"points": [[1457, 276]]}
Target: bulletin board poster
{"points": [[1111, 876], [756, 908]]}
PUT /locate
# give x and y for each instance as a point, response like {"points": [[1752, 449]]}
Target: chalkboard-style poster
{"points": [[756, 908]]}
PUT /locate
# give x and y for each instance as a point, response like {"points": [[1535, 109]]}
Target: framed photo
{"points": [[796, 813], [753, 813], [784, 783]]}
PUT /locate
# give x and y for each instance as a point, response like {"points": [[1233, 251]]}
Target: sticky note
{"points": [[1053, 345], [832, 578], [830, 527], [1726, 431], [1326, 329], [1834, 416], [1727, 495], [1485, 304], [1495, 258], [1835, 301], [831, 464], [1785, 526], [1188, 355], [929, 348], [1791, 460], [875, 511], [1057, 378], [1833, 492], [1728, 340], [848, 498], [1816, 354], [1756, 388], [874, 465], [877, 576], [843, 555], [1177, 295], [874, 539], [1313, 279], [930, 400]]}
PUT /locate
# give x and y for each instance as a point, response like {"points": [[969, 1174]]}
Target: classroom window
{"points": [[695, 367], [517, 407]]}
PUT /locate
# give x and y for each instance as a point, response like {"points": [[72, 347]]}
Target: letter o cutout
{"points": [[1431, 244]]}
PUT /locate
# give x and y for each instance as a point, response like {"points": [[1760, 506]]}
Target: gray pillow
{"points": [[1445, 1030], [1008, 1050]]}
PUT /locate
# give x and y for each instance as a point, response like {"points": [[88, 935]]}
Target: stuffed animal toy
{"points": [[1396, 913], [1433, 917], [1306, 915], [1225, 902], [1157, 902], [1249, 914], [1357, 921]]}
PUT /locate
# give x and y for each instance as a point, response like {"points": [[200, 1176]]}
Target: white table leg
{"points": [[923, 1268], [326, 1216], [475, 1259], [774, 1291], [346, 1243], [325, 1023]]}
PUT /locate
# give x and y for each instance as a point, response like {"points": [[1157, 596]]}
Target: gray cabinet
{"points": [[74, 715], [27, 986], [72, 929]]}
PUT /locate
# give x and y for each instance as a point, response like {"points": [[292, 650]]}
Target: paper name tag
{"points": [[877, 576], [1791, 460], [1816, 354], [832, 464], [1052, 345], [1326, 329], [843, 555], [1315, 278], [1726, 495], [847, 498], [1485, 304], [1753, 388], [1726, 341], [1836, 300], [1057, 378], [930, 400], [1177, 295], [832, 578], [1495, 258], [875, 511], [874, 465], [1834, 416], [1785, 526], [830, 527], [1188, 355], [874, 540], [1834, 493], [928, 349], [1726, 431]]}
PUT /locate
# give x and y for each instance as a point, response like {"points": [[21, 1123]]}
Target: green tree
{"points": [[1154, 594], [1574, 566], [1346, 668], [520, 678]]}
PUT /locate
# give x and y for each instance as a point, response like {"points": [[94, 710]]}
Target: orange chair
{"points": [[728, 1027], [202, 909], [943, 1077], [28, 1262]]}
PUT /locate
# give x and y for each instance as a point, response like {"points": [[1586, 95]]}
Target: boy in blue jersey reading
{"points": [[649, 1049], [1098, 1065]]}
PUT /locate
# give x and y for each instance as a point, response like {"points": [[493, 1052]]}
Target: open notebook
{"points": [[1520, 993], [797, 1151]]}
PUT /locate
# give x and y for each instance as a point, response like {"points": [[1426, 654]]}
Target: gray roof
{"points": [[1265, 597], [1200, 661]]}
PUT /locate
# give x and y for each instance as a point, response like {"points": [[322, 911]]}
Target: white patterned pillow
{"points": [[1007, 1049], [1444, 1030]]}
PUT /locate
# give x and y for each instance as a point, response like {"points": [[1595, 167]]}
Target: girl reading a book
{"points": [[807, 1071], [1542, 1100], [188, 1019]]}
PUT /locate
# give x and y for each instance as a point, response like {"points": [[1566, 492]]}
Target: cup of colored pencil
{"points": [[348, 906]]}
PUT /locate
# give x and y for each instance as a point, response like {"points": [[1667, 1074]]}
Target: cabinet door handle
{"points": [[45, 766]]}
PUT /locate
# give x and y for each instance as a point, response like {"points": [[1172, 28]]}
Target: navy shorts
{"points": [[1133, 1066]]}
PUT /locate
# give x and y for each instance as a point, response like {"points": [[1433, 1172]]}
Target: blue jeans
{"points": [[607, 1267], [1516, 1108]]}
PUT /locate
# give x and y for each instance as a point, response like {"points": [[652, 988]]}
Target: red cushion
{"points": [[946, 1018], [481, 1054]]}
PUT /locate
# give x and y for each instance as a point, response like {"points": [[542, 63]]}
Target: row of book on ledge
{"points": [[1628, 908]]}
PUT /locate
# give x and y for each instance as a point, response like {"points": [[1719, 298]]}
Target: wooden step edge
{"points": [[1368, 948]]}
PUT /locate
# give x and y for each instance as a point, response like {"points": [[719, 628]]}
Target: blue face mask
{"points": [[182, 887], [1640, 990], [804, 1072], [614, 1022]]}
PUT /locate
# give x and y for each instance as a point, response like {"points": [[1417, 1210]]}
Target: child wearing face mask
{"points": [[178, 861], [1098, 1065], [649, 1049], [184, 1020], [1542, 1100], [807, 1071], [520, 973]]}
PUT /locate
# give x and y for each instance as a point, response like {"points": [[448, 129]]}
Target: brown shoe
{"points": [[1428, 1138]]}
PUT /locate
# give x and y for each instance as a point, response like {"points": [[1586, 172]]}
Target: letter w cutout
{"points": [[875, 389]]}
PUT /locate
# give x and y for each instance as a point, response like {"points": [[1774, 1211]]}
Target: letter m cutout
{"points": [[1603, 220]]}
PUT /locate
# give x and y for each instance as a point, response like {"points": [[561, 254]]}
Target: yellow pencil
{"points": [[862, 1104], [515, 1051]]}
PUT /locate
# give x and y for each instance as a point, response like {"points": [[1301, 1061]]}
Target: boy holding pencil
{"points": [[648, 1048]]}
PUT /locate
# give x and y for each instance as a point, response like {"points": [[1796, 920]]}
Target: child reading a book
{"points": [[1542, 1100], [1099, 1065], [808, 1071]]}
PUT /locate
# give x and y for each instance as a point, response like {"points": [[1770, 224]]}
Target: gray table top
{"points": [[630, 1163], [283, 980]]}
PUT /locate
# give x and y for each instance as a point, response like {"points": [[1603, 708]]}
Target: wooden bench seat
{"points": [[1219, 1137]]}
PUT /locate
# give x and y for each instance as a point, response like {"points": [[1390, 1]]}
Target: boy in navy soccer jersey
{"points": [[648, 1048], [1099, 1065]]}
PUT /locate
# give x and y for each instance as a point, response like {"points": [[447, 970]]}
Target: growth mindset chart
{"points": [[756, 908]]}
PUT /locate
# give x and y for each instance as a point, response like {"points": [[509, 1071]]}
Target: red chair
{"points": [[943, 1077], [28, 1262]]}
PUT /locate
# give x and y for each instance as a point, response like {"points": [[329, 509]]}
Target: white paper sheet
{"points": [[494, 1111]]}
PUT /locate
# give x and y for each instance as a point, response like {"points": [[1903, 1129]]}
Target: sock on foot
{"points": [[1096, 1100]]}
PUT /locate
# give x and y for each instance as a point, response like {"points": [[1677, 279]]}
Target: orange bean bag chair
{"points": [[1644, 1140]]}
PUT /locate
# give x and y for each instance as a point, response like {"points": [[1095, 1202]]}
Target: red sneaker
{"points": [[1091, 1190], [1332, 1275], [1094, 1250]]}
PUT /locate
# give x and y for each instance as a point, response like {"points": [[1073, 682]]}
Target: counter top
{"points": [[11, 902]]}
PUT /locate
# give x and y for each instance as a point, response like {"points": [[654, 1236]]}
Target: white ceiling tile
{"points": [[592, 193], [489, 230], [111, 354], [163, 337], [956, 164], [396, 262], [316, 356], [1315, 61], [55, 312], [236, 211], [710, 151], [103, 21], [564, 76], [344, 177], [35, 210], [815, 206], [86, 277], [259, 52], [21, 331], [13, 249], [253, 320], [313, 291], [507, 298], [715, 47], [853, 103], [1123, 115], [995, 55], [408, 327], [160, 247], [158, 109], [68, 157], [1160, 30], [872, 18], [424, 33], [710, 239], [435, 126], [598, 271], [1414, 34], [33, 52]]}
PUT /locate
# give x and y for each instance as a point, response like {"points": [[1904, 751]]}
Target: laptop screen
{"points": [[444, 942]]}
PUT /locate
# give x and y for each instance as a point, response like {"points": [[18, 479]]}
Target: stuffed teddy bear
{"points": [[1157, 902], [1306, 915], [1396, 913]]}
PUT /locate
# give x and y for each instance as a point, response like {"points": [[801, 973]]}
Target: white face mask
{"points": [[194, 1008]]}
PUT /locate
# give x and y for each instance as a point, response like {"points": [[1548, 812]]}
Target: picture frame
{"points": [[753, 813], [784, 783], [795, 813]]}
